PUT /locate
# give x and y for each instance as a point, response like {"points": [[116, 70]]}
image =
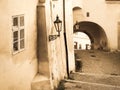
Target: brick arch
{"points": [[95, 32]]}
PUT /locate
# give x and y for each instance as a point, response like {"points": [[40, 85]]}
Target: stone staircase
{"points": [[41, 82], [85, 81], [96, 70]]}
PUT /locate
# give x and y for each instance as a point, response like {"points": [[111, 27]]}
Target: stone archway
{"points": [[95, 32]]}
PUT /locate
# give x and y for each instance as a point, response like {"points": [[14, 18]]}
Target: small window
{"points": [[21, 21], [87, 14], [18, 33], [15, 21]]}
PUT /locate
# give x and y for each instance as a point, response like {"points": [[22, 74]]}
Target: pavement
{"points": [[96, 70]]}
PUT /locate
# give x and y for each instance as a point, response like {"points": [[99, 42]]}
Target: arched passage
{"points": [[95, 32]]}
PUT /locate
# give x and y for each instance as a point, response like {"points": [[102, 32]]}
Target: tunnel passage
{"points": [[95, 32]]}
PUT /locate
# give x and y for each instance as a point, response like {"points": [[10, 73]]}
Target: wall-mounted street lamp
{"points": [[58, 27], [77, 25]]}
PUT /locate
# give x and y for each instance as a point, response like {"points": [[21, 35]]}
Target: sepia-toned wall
{"points": [[51, 54], [69, 34], [17, 70], [48, 58], [57, 48], [105, 14]]}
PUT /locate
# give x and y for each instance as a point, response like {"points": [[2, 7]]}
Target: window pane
{"points": [[21, 33], [15, 46], [22, 44], [15, 35], [15, 21], [22, 21]]}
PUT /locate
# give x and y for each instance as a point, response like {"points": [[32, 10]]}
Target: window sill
{"points": [[16, 52]]}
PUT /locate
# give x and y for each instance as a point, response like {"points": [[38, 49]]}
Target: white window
{"points": [[18, 33]]}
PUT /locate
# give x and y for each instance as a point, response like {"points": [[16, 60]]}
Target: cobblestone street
{"points": [[88, 79]]}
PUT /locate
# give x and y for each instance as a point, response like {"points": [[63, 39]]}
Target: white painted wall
{"points": [[56, 48], [17, 70], [69, 31], [77, 3]]}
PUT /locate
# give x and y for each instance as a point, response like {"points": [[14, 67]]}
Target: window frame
{"points": [[18, 28]]}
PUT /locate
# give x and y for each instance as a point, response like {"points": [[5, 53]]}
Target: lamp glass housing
{"points": [[58, 25], [77, 25]]}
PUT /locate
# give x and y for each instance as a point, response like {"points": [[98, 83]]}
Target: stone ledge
{"points": [[41, 82], [113, 80], [80, 85]]}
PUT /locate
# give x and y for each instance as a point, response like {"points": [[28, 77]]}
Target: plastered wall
{"points": [[56, 48], [17, 70], [69, 31], [57, 51], [53, 64]]}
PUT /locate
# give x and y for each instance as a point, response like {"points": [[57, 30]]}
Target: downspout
{"points": [[65, 39]]}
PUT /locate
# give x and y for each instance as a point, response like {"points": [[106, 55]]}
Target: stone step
{"points": [[80, 85], [96, 78], [41, 82]]}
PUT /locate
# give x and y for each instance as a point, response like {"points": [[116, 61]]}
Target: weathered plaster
{"points": [[17, 70]]}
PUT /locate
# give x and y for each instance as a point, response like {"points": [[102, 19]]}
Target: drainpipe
{"points": [[65, 39]]}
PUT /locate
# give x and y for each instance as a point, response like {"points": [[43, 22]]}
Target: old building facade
{"points": [[29, 61], [107, 23]]}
